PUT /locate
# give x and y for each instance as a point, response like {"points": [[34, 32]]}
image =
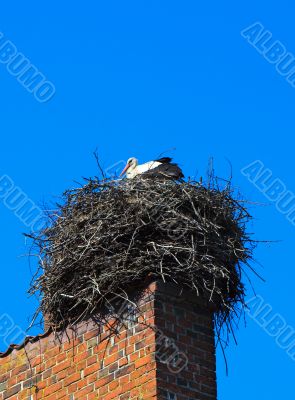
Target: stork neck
{"points": [[132, 171]]}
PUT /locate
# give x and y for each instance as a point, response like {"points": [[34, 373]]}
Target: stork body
{"points": [[161, 168]]}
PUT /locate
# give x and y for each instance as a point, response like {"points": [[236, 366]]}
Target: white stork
{"points": [[161, 168]]}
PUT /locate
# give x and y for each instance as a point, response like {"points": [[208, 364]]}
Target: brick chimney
{"points": [[165, 351]]}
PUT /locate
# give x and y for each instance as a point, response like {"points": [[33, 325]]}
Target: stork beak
{"points": [[125, 170]]}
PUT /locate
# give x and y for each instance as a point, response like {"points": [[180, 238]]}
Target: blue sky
{"points": [[139, 78]]}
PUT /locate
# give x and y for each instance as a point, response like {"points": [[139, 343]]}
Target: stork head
{"points": [[131, 164]]}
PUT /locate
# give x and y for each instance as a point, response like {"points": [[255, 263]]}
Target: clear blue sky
{"points": [[135, 79]]}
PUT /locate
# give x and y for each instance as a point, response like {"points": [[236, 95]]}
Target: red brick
{"points": [[52, 389], [92, 367], [61, 366], [72, 378]]}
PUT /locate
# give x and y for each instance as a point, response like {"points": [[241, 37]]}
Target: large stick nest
{"points": [[108, 237]]}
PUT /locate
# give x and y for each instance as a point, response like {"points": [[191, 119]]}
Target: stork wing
{"points": [[164, 160], [168, 171]]}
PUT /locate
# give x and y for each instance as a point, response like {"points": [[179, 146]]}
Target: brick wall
{"points": [[166, 351]]}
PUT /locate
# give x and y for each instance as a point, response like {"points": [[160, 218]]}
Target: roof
{"points": [[28, 339]]}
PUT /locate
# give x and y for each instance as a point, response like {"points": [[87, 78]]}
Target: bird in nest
{"points": [[162, 168]]}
